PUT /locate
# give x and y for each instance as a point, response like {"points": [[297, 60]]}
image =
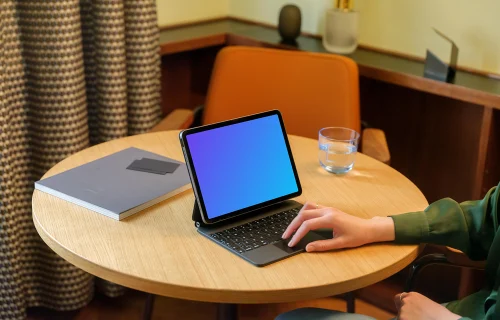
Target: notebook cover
{"points": [[108, 187]]}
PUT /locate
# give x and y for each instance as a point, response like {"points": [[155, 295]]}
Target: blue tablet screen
{"points": [[241, 165]]}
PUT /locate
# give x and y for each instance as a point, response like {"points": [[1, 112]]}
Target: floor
{"points": [[131, 306]]}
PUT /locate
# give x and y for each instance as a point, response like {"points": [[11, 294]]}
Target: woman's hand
{"points": [[413, 305], [348, 231]]}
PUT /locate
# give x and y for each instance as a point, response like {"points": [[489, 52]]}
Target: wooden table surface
{"points": [[159, 250]]}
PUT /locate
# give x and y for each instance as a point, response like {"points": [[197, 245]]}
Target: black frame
{"points": [[194, 180]]}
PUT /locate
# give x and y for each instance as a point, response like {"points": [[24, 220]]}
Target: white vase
{"points": [[341, 31]]}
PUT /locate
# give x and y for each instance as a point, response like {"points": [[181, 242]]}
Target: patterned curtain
{"points": [[72, 73]]}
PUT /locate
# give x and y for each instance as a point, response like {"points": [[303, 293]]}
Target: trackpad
{"points": [[301, 246]]}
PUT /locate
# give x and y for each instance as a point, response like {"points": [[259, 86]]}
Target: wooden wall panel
{"points": [[448, 148], [175, 82], [492, 167], [394, 110], [433, 140], [185, 77]]}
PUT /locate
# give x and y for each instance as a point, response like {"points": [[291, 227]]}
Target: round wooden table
{"points": [[159, 250]]}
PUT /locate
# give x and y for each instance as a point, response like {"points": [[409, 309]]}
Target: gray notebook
{"points": [[120, 184]]}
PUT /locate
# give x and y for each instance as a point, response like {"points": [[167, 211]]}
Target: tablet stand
{"points": [[198, 221]]}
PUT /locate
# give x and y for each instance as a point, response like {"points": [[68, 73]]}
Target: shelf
{"points": [[468, 87]]}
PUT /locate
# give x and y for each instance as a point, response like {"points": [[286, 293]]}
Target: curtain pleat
{"points": [[143, 65], [72, 73]]}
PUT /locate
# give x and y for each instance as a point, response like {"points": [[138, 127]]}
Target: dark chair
{"points": [[450, 257]]}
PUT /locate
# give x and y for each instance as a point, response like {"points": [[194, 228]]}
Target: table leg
{"points": [[227, 311], [148, 307], [350, 300]]}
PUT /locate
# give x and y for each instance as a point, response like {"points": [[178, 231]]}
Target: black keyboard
{"points": [[254, 234]]}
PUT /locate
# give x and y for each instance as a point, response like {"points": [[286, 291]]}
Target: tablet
{"points": [[240, 166]]}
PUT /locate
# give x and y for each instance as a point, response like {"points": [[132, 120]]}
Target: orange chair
{"points": [[311, 90]]}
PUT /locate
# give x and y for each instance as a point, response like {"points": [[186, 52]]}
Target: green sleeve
{"points": [[469, 226]]}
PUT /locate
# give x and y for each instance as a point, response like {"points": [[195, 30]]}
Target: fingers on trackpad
{"points": [[283, 245], [310, 237]]}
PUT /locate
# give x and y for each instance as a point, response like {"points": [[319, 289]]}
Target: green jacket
{"points": [[471, 227]]}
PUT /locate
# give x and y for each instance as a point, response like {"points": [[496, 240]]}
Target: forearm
{"points": [[382, 229]]}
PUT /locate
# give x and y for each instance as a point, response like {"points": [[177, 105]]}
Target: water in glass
{"points": [[337, 149]]}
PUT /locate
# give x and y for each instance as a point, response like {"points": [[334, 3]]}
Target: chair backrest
{"points": [[311, 90]]}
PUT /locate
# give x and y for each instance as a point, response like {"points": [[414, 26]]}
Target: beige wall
{"points": [[180, 11], [398, 25], [405, 26]]}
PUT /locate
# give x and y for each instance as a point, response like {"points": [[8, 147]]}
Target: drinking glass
{"points": [[337, 149]]}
